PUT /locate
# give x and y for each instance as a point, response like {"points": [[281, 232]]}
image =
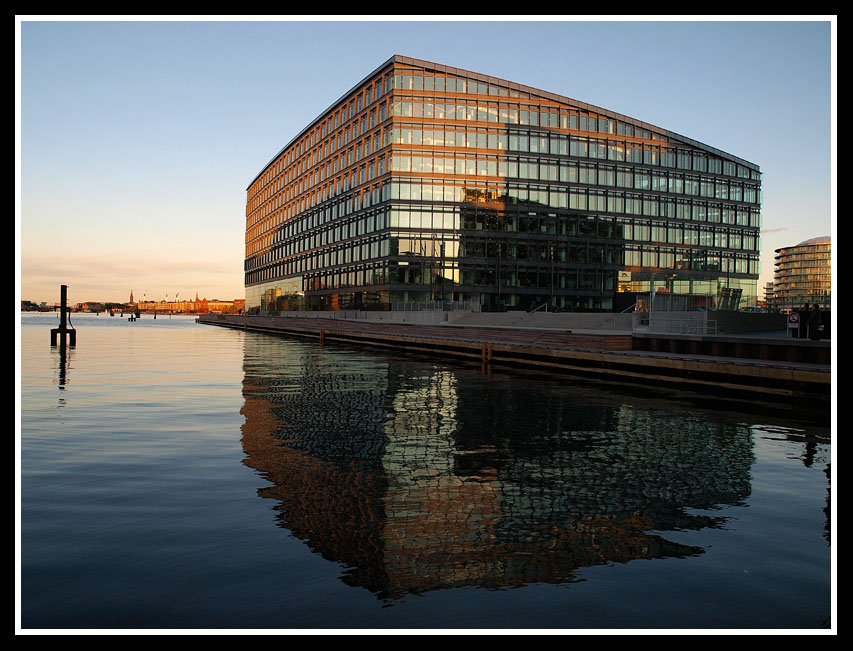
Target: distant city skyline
{"points": [[137, 300], [137, 139]]}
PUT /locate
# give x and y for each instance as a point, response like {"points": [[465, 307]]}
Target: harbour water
{"points": [[181, 476]]}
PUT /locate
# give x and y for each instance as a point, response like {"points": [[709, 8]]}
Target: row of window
{"points": [[414, 249], [295, 163], [347, 116], [563, 197], [333, 248], [337, 128], [296, 180], [323, 228], [263, 235], [617, 202], [550, 116], [573, 198], [569, 171], [335, 267], [589, 295], [666, 155], [494, 166]]}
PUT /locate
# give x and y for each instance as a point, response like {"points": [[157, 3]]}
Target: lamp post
{"points": [[551, 306]]}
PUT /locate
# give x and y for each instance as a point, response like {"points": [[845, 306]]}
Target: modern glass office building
{"points": [[427, 183]]}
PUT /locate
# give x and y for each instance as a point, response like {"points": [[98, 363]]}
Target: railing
{"points": [[445, 306], [657, 323], [617, 315]]}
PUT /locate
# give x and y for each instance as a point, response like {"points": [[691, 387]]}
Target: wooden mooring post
{"points": [[63, 328]]}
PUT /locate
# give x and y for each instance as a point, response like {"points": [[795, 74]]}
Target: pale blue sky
{"points": [[138, 138]]}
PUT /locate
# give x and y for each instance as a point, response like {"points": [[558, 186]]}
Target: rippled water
{"points": [[176, 475]]}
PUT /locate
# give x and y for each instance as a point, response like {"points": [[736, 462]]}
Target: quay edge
{"points": [[771, 367]]}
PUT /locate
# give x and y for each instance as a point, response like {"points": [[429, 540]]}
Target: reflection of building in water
{"points": [[419, 478]]}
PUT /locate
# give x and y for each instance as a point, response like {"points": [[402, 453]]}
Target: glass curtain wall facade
{"points": [[428, 183]]}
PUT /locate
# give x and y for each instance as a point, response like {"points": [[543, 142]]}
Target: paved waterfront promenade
{"points": [[766, 363]]}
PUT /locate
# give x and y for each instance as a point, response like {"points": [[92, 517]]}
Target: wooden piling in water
{"points": [[63, 328]]}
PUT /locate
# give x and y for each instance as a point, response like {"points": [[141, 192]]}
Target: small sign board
{"points": [[793, 320]]}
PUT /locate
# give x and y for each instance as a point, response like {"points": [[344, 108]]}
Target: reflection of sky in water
{"points": [[144, 451], [424, 477]]}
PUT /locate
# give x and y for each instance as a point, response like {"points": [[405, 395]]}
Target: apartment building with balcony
{"points": [[803, 275]]}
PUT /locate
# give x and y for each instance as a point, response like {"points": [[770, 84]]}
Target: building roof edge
{"points": [[398, 58], [388, 62]]}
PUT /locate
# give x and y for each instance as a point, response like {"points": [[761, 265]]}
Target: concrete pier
{"points": [[774, 367]]}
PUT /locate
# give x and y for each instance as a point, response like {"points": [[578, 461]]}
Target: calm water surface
{"points": [[175, 475]]}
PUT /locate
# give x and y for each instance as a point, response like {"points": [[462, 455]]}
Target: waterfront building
{"points": [[197, 306], [769, 294], [428, 183], [803, 274], [90, 306]]}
